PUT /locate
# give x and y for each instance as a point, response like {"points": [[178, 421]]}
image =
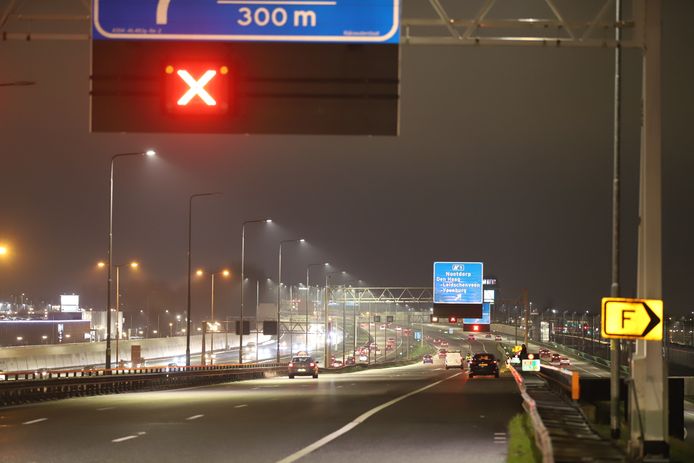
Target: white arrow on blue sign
{"points": [[346, 21]]}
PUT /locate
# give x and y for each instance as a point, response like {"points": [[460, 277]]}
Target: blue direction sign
{"points": [[458, 282], [346, 21]]}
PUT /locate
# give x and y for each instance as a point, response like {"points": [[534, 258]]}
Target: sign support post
{"points": [[648, 398]]}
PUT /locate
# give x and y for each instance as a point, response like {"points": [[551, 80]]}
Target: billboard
{"points": [[458, 282], [69, 303]]}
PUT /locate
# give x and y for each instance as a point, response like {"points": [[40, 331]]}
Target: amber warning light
{"points": [[196, 89]]}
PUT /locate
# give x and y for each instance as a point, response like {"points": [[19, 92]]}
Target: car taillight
{"points": [[291, 364], [312, 364]]}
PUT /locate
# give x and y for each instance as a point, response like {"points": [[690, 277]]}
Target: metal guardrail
{"points": [[542, 437], [24, 387]]}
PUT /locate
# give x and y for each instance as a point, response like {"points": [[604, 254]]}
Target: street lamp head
{"points": [[268, 220], [199, 272], [226, 273], [302, 240], [134, 265], [327, 264], [3, 250], [150, 153], [101, 264]]}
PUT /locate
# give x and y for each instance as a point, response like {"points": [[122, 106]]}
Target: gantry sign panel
{"points": [[243, 66], [458, 289]]}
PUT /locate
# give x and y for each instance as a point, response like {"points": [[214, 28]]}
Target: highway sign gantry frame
{"points": [[625, 318]]}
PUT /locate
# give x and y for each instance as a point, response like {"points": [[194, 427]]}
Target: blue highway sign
{"points": [[458, 282], [336, 21]]}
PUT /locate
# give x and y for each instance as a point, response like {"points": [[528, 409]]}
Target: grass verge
{"points": [[521, 442]]}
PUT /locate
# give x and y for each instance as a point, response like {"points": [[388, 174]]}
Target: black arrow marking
{"points": [[654, 320]]}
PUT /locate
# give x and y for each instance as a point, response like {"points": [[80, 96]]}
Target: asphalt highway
{"points": [[405, 414]]}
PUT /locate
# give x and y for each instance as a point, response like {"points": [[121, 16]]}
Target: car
{"points": [[564, 361], [250, 347], [470, 337], [428, 359], [498, 338], [364, 358], [336, 364], [545, 353], [442, 353], [555, 359], [444, 343], [453, 360], [350, 361], [482, 364], [302, 366], [488, 336]]}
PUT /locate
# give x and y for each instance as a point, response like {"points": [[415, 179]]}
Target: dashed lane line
{"points": [[194, 417], [38, 420]]}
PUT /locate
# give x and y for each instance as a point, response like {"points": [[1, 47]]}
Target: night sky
{"points": [[504, 156]]}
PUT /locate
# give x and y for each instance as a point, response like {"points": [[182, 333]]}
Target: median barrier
{"points": [[33, 386]]}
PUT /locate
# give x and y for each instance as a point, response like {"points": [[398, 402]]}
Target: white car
{"points": [[453, 360]]}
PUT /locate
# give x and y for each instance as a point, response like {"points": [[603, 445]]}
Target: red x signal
{"points": [[197, 88]]}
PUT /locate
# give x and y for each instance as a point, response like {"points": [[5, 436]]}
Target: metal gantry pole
{"points": [[344, 324]]}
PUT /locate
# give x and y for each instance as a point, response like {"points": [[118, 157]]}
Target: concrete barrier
{"points": [[67, 356]]}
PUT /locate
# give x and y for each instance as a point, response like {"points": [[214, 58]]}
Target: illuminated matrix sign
{"points": [[458, 282]]}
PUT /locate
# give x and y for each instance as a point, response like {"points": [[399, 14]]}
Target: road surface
{"points": [[412, 413]]}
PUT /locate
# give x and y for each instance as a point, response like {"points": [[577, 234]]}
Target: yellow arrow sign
{"points": [[632, 318]]}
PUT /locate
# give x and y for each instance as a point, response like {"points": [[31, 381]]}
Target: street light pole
{"points": [[325, 316], [107, 363], [243, 280], [279, 290], [308, 292], [190, 230]]}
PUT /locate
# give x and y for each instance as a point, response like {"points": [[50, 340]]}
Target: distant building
{"points": [[36, 332]]}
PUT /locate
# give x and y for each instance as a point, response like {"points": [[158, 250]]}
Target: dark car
{"points": [[427, 359], [483, 364], [302, 366]]}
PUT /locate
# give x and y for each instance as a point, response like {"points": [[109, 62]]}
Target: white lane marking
{"points": [[123, 439], [38, 420], [241, 406], [499, 433], [194, 417], [102, 409], [356, 422], [339, 387]]}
